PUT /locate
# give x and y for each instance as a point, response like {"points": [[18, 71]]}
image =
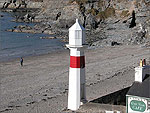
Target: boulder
{"points": [[51, 37]]}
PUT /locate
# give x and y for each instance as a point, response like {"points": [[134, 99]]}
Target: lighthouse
{"points": [[76, 93]]}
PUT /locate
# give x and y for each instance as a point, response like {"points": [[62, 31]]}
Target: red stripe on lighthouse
{"points": [[77, 62]]}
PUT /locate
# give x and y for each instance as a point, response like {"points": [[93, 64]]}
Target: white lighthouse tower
{"points": [[76, 93]]}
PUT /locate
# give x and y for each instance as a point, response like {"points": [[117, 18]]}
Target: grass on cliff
{"points": [[79, 2], [125, 13], [93, 11], [37, 0], [109, 12], [122, 1], [101, 3]]}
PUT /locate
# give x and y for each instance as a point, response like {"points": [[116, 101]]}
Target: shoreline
{"points": [[37, 28], [31, 56], [14, 55], [66, 50]]}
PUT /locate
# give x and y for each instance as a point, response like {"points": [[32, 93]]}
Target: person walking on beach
{"points": [[21, 61]]}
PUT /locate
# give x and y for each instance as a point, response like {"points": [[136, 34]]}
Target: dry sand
{"points": [[41, 85]]}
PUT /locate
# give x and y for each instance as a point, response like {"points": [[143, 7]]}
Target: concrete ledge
{"points": [[101, 108]]}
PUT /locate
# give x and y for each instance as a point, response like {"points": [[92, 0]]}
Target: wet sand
{"points": [[41, 85]]}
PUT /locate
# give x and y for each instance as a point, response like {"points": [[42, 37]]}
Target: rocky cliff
{"points": [[108, 22]]}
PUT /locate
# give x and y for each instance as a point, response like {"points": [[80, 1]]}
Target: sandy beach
{"points": [[41, 85]]}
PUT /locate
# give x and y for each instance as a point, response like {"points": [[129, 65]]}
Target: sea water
{"points": [[14, 45]]}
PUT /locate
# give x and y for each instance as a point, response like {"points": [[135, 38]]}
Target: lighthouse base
{"points": [[76, 94]]}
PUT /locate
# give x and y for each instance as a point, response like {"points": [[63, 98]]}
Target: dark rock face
{"points": [[91, 22], [17, 4], [132, 24], [113, 43]]}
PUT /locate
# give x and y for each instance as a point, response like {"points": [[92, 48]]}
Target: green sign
{"points": [[136, 105]]}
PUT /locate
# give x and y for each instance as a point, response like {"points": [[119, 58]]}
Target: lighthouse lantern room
{"points": [[77, 34]]}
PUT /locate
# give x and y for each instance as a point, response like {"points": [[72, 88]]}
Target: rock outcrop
{"points": [[21, 3]]}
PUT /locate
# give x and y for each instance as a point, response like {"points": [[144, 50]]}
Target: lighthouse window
{"points": [[78, 34]]}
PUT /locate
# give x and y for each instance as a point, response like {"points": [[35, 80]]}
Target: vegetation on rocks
{"points": [[109, 12], [92, 11], [79, 1], [101, 3], [125, 13], [37, 0]]}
